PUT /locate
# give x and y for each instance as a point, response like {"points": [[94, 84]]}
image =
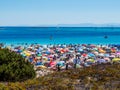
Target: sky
{"points": [[54, 12]]}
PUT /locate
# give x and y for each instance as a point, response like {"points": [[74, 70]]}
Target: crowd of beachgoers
{"points": [[65, 56]]}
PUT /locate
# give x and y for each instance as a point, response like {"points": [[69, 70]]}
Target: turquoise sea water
{"points": [[60, 35]]}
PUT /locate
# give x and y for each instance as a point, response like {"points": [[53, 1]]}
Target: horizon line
{"points": [[68, 25]]}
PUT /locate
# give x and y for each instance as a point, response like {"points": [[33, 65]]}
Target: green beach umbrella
{"points": [[39, 55]]}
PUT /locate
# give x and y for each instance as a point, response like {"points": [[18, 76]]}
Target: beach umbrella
{"points": [[92, 45], [115, 59], [38, 50], [39, 55], [101, 54], [61, 63], [80, 50], [106, 55], [28, 54], [96, 49], [47, 52], [118, 53], [52, 51], [101, 61], [15, 50], [78, 66], [23, 54], [107, 59], [113, 50], [102, 51], [39, 63], [62, 51], [52, 63], [91, 55], [66, 49], [96, 53], [108, 50], [45, 58], [84, 54], [91, 60], [41, 67], [78, 54], [30, 47], [51, 56], [71, 51], [32, 53], [19, 51], [112, 56], [84, 45], [44, 54]]}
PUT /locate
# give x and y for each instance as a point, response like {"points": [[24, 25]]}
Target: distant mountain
{"points": [[89, 25], [70, 25]]}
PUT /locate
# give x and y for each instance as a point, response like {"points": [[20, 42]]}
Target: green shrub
{"points": [[13, 67]]}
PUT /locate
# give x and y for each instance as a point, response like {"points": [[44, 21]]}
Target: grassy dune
{"points": [[100, 77]]}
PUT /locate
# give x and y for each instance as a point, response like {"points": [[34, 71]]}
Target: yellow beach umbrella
{"points": [[45, 58], [116, 59], [41, 67], [102, 51], [28, 54]]}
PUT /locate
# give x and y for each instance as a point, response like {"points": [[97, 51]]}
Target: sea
{"points": [[60, 35]]}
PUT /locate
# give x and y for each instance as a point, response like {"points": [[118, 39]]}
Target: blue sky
{"points": [[52, 12]]}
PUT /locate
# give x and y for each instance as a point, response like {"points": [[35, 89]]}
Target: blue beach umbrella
{"points": [[19, 51], [91, 55], [101, 61], [47, 52], [106, 55]]}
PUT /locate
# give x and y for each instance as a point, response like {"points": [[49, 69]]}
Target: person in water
{"points": [[105, 36], [51, 37]]}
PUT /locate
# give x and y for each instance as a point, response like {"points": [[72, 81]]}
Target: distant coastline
{"points": [[67, 25]]}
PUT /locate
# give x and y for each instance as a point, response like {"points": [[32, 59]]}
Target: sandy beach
{"points": [[49, 58]]}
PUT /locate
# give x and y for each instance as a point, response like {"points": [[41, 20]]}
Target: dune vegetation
{"points": [[13, 67], [101, 77], [16, 73]]}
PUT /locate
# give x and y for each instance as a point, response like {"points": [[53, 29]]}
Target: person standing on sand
{"points": [[76, 61]]}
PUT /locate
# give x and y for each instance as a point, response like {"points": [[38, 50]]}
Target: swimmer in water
{"points": [[106, 37], [51, 37]]}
